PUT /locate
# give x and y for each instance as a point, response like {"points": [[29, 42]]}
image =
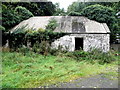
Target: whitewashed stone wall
{"points": [[100, 41]]}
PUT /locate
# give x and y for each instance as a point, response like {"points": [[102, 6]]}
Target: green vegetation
{"points": [[99, 13], [52, 24], [29, 62], [104, 12], [79, 6], [59, 11], [12, 17], [2, 28], [37, 8], [21, 37], [15, 12], [23, 13], [34, 70]]}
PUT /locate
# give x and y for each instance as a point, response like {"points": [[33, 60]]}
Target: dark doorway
{"points": [[78, 43]]}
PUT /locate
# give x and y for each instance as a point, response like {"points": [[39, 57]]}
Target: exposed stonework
{"points": [[100, 41]]}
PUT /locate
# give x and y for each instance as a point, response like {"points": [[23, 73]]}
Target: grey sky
{"points": [[63, 3]]}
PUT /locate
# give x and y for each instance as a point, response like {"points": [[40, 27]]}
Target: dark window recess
{"points": [[78, 27], [78, 43]]}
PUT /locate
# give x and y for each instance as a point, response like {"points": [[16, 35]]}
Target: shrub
{"points": [[24, 50], [21, 36], [41, 30], [17, 38], [52, 24], [93, 56], [101, 57], [54, 52], [78, 55], [58, 51], [42, 48]]}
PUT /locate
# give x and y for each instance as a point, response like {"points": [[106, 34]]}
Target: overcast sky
{"points": [[63, 3]]}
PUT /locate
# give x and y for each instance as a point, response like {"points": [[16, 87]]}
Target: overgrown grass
{"points": [[34, 70], [93, 56]]}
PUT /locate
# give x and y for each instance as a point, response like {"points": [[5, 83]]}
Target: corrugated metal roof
{"points": [[67, 24]]}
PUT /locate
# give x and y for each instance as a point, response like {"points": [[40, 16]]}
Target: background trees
{"points": [[37, 8], [103, 12], [58, 10], [11, 16], [15, 12]]}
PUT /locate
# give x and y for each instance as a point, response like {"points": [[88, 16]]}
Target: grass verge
{"points": [[35, 70]]}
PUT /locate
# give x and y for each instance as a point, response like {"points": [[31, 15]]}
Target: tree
{"points": [[79, 6], [76, 7], [23, 13], [9, 17], [99, 13], [37, 8], [104, 12], [59, 11], [15, 12], [46, 8], [12, 16]]}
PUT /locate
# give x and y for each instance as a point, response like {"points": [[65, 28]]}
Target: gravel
{"points": [[98, 81]]}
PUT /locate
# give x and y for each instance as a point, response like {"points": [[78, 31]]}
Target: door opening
{"points": [[78, 43]]}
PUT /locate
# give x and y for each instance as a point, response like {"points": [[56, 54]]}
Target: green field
{"points": [[35, 70]]}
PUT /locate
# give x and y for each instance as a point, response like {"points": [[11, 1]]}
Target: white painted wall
{"points": [[100, 41]]}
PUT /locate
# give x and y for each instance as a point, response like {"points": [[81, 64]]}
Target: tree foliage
{"points": [[59, 11], [72, 13], [79, 6], [37, 8], [76, 7], [104, 12], [23, 13], [99, 13], [11, 16], [52, 24], [15, 12], [18, 39]]}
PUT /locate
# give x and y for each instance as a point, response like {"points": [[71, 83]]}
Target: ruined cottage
{"points": [[83, 32]]}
